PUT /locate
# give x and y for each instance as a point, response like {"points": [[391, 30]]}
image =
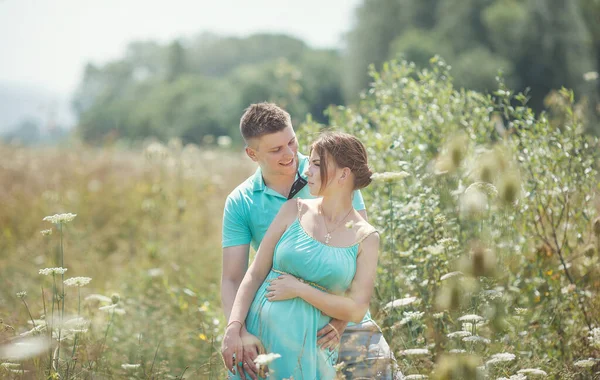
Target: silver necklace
{"points": [[328, 235]]}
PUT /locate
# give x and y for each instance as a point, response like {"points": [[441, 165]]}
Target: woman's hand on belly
{"points": [[283, 288]]}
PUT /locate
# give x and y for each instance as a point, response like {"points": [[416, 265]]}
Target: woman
{"points": [[317, 261]]}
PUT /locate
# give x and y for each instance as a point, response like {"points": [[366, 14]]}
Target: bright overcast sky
{"points": [[46, 43]]}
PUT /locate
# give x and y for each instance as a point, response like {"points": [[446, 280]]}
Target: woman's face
{"points": [[313, 173]]}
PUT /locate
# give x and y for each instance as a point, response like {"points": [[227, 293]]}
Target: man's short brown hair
{"points": [[263, 118]]}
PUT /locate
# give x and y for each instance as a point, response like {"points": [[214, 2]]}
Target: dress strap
{"points": [[367, 235], [299, 207]]}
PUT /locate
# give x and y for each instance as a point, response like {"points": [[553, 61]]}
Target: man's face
{"points": [[276, 153]]}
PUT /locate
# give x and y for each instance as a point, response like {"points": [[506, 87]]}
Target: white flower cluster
{"points": [[458, 334], [532, 372], [471, 318], [434, 249], [476, 339], [594, 337], [400, 302], [389, 176], [415, 352], [265, 359], [411, 316], [130, 366], [77, 281], [500, 358], [60, 218], [514, 377], [586, 363], [450, 275], [49, 271]]}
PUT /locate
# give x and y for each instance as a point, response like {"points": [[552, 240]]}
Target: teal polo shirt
{"points": [[252, 206]]}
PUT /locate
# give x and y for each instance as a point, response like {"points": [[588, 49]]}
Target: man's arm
{"points": [[235, 264]]}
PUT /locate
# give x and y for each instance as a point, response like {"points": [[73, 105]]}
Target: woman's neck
{"points": [[336, 207]]}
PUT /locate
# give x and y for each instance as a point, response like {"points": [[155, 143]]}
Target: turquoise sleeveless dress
{"points": [[289, 328]]}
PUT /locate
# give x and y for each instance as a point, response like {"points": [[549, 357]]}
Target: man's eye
{"points": [[276, 150]]}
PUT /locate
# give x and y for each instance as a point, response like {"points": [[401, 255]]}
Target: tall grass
{"points": [[488, 268]]}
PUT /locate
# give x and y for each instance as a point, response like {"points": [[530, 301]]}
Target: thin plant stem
{"points": [[62, 314], [154, 360], [106, 332], [28, 312]]}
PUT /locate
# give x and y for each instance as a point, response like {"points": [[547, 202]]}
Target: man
{"points": [[250, 209]]}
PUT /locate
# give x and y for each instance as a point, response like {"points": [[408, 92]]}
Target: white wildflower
{"points": [[484, 187], [46, 232], [458, 351], [590, 76], [60, 218], [155, 272], [513, 377], [107, 307], [449, 243], [400, 302], [532, 372], [339, 366], [416, 377], [471, 318], [224, 141], [22, 294], [434, 249], [49, 271], [265, 359], [98, 297], [450, 275], [520, 310], [492, 294], [411, 316], [77, 323], [10, 365], [77, 281], [38, 329], [586, 363], [439, 219], [594, 337], [415, 352], [458, 334], [476, 339], [389, 176], [473, 203], [156, 151], [350, 225], [130, 366], [501, 357], [24, 349]]}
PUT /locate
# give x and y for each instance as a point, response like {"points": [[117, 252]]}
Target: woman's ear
{"points": [[345, 174]]}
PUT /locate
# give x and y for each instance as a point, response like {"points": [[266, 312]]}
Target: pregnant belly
{"points": [[293, 318]]}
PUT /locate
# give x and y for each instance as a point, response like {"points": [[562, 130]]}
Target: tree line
{"points": [[198, 87]]}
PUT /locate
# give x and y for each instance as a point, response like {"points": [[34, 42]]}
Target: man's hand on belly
{"points": [[330, 335]]}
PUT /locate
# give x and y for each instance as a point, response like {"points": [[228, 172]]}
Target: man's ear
{"points": [[251, 153]]}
